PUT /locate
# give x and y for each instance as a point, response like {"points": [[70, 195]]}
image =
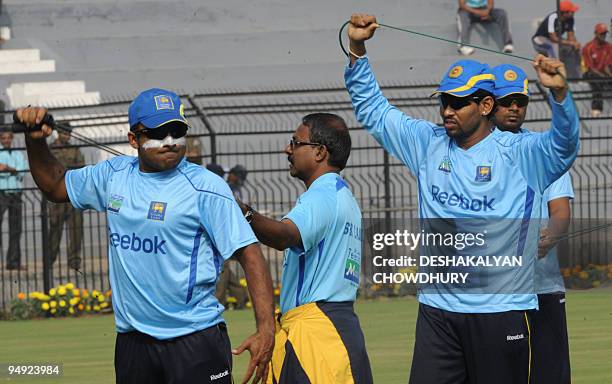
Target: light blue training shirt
{"points": [[169, 233]]}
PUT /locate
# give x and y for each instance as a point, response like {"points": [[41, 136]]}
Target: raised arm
{"points": [[48, 173], [402, 136], [545, 157]]}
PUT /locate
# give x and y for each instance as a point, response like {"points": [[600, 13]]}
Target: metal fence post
{"points": [[46, 250], [213, 135]]}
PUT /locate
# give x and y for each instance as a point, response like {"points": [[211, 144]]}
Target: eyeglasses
{"points": [[455, 102], [507, 101], [293, 143], [174, 130]]}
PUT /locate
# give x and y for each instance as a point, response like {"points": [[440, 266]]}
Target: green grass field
{"points": [[85, 345]]}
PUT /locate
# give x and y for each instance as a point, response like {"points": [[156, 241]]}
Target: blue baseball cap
{"points": [[465, 77], [156, 107], [510, 79]]}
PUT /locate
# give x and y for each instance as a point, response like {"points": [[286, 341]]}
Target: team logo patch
{"points": [[483, 173], [455, 72], [115, 203], [445, 165], [351, 271], [510, 75], [163, 102], [157, 211]]}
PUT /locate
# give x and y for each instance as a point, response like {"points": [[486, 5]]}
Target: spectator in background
{"points": [[61, 213], [597, 57], [555, 37], [236, 178], [216, 169], [11, 165], [478, 11], [193, 152]]}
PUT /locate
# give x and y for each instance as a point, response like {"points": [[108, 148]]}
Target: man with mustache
{"points": [[318, 339], [551, 361], [467, 173], [171, 226]]}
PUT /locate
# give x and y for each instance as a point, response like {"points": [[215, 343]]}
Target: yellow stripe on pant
{"points": [[321, 354]]}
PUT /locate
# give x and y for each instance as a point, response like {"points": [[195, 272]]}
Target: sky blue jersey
{"points": [[501, 177], [548, 276], [169, 234], [327, 265]]}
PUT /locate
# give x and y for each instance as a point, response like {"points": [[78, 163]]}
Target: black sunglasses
{"points": [[456, 103], [174, 129], [507, 101], [293, 143]]}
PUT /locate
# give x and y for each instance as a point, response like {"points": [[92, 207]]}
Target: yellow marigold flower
{"points": [[243, 282], [96, 308], [62, 303], [43, 297], [277, 292], [61, 290], [52, 292], [104, 305], [249, 305], [70, 286], [232, 299], [76, 292], [85, 293], [81, 307], [45, 306], [33, 295], [583, 275], [109, 293], [101, 298], [596, 284], [21, 296], [71, 310], [53, 303], [52, 311], [74, 301], [95, 294], [88, 308]]}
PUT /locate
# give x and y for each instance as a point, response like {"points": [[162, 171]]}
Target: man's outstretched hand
{"points": [[260, 345], [32, 116]]}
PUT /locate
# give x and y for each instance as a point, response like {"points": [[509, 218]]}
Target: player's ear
{"points": [[486, 106], [133, 140], [322, 153]]}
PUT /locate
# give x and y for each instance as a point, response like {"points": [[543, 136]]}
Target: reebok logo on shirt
{"points": [[520, 336], [136, 244], [454, 200]]}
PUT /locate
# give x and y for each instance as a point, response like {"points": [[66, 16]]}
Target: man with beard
{"points": [[466, 170]]}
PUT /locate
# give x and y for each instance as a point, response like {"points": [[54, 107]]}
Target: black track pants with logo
{"points": [[551, 359], [474, 348], [200, 357]]}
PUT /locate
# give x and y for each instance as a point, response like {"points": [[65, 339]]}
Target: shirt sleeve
{"points": [[224, 222], [560, 188], [544, 157], [312, 215], [402, 136], [87, 187], [551, 23]]}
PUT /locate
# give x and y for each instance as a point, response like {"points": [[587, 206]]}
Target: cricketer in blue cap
{"points": [[171, 225], [469, 171], [512, 96], [551, 362]]}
